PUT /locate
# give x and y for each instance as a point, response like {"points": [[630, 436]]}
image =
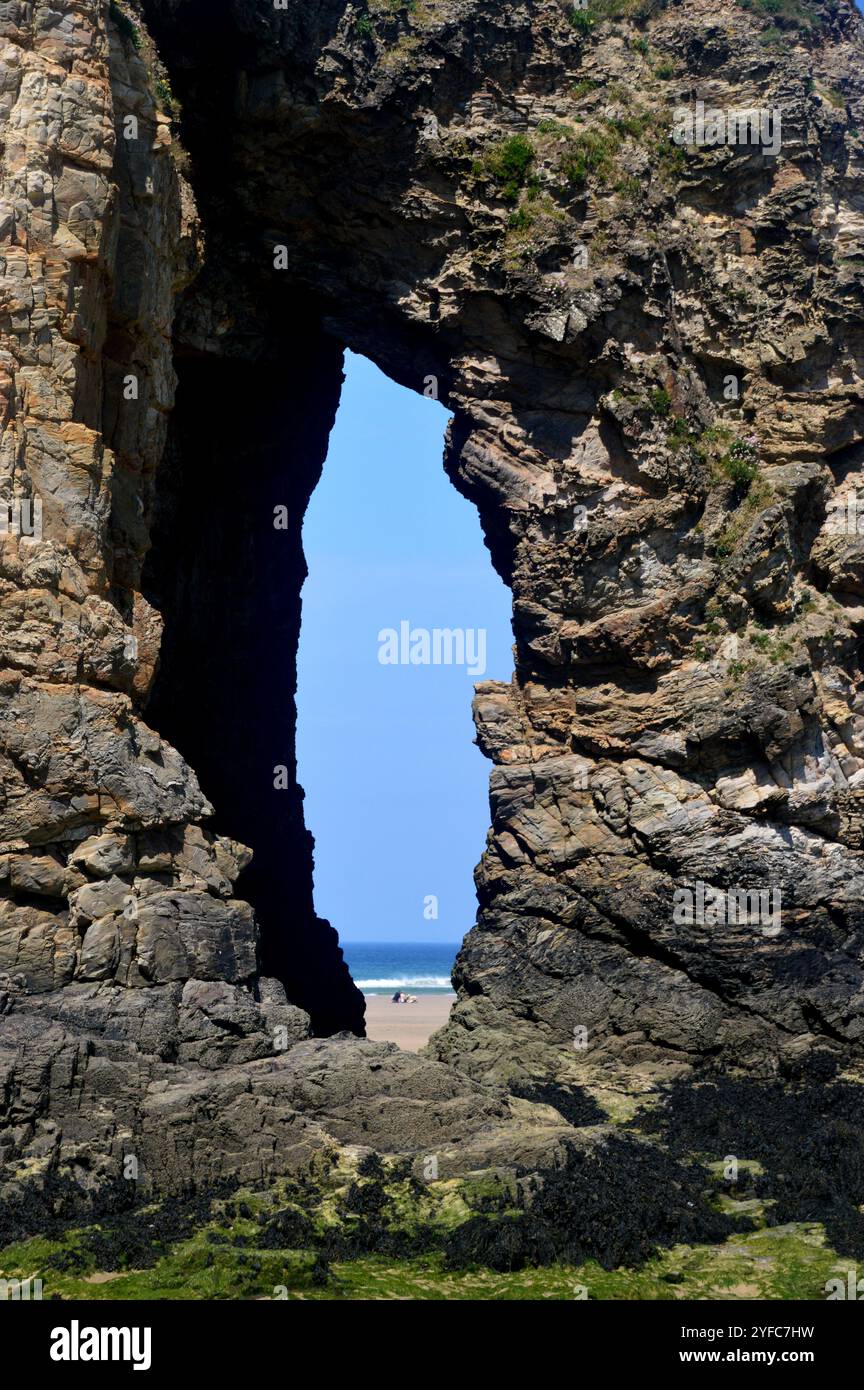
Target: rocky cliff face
{"points": [[123, 945], [652, 354]]}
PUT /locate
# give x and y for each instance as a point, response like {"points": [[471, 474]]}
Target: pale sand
{"points": [[409, 1025]]}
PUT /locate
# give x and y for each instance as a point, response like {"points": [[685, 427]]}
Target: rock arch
{"points": [[685, 709]]}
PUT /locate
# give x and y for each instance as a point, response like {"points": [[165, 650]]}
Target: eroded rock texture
{"points": [[652, 355], [128, 963], [653, 439]]}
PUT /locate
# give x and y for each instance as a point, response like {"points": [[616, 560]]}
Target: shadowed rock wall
{"points": [[245, 450]]}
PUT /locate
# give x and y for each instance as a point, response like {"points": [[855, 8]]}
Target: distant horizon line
{"points": [[389, 941]]}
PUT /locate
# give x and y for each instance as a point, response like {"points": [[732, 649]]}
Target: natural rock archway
{"points": [[652, 355], [685, 623]]}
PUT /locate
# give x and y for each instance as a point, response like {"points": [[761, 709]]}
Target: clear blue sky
{"points": [[396, 790]]}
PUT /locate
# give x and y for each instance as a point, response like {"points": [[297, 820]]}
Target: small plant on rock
{"points": [[591, 152], [129, 30], [508, 164], [741, 464], [581, 88], [582, 21]]}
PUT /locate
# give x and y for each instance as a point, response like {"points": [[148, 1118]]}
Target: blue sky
{"points": [[396, 790]]}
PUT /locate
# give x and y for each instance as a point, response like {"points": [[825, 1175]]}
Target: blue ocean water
{"points": [[423, 967]]}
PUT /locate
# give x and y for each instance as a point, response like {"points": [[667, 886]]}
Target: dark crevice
{"points": [[247, 438]]}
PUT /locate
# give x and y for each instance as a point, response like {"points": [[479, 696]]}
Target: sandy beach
{"points": [[409, 1025]]}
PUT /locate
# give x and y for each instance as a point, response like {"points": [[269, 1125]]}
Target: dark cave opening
{"points": [[229, 593], [245, 449]]}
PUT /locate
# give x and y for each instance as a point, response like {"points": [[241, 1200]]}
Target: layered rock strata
{"points": [[652, 355]]}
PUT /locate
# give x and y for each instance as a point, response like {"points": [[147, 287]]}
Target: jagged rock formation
{"points": [[122, 943], [653, 359], [684, 707]]}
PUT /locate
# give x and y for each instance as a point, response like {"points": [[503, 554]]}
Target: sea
{"points": [[381, 967]]}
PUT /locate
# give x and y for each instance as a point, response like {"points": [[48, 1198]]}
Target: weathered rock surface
{"points": [[653, 358], [202, 1082]]}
